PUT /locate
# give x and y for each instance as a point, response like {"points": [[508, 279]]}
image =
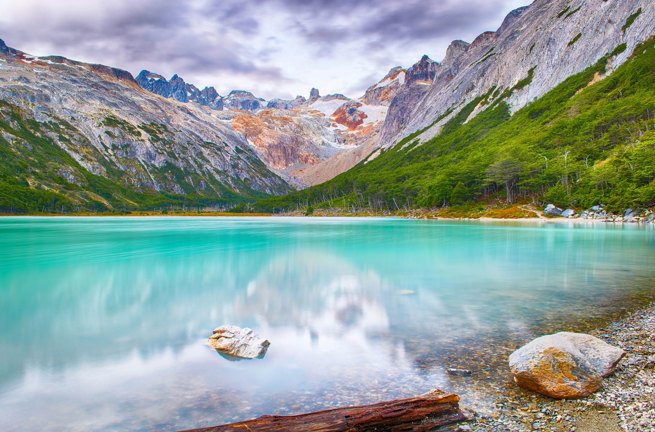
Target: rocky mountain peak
{"points": [[313, 96], [7, 51], [383, 92], [510, 19], [455, 49], [179, 90], [4, 49], [424, 71], [243, 100], [539, 46], [287, 104]]}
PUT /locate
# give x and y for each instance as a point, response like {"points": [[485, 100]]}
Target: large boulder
{"points": [[564, 365], [552, 210], [238, 342], [568, 213]]}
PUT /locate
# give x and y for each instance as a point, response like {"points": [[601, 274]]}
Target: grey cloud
{"points": [[384, 22], [147, 34], [213, 37]]}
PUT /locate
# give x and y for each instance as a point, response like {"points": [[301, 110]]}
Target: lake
{"points": [[105, 320]]}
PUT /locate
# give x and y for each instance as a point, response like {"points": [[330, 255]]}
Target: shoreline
{"points": [[531, 220], [626, 402], [521, 214]]}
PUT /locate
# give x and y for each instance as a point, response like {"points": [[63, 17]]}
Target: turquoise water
{"points": [[104, 320]]}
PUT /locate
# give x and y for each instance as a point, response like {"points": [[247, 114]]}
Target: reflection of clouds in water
{"points": [[312, 290], [100, 345], [340, 368]]}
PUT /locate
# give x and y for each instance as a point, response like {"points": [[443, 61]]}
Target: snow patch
{"points": [[327, 107], [374, 113], [385, 82]]}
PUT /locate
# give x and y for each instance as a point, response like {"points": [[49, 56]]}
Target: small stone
{"points": [[459, 372], [238, 342]]}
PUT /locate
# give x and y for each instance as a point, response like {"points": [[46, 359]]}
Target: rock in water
{"points": [[564, 365], [238, 342]]}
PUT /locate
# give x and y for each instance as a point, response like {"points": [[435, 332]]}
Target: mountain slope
{"points": [[586, 141], [76, 136], [538, 46]]}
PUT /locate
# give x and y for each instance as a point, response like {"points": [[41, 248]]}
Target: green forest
{"points": [[34, 170]]}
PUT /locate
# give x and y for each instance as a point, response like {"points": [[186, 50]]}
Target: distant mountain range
{"points": [[78, 136]]}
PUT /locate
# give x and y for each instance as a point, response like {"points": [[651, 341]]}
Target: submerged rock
{"points": [[459, 372], [564, 365], [238, 342]]}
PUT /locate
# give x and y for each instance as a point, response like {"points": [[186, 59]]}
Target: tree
{"points": [[459, 194], [505, 172]]}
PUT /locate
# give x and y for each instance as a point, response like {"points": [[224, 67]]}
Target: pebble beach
{"points": [[625, 403]]}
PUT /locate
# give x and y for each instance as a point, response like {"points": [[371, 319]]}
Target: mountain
{"points": [[544, 44], [304, 140], [77, 136], [84, 136], [557, 106]]}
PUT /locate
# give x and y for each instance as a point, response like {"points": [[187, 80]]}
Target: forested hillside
{"points": [[590, 140]]}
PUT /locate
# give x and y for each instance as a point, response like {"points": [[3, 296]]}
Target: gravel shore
{"points": [[625, 403]]}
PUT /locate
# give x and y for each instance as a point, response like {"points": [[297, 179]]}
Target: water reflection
{"points": [[104, 321]]}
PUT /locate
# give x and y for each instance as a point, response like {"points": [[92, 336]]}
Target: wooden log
{"points": [[418, 414]]}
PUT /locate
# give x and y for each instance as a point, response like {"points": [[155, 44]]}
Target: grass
{"points": [[575, 39]]}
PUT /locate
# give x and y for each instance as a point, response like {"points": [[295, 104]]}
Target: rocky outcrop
{"points": [[422, 72], [349, 115], [287, 141], [243, 100], [534, 42], [313, 96], [417, 81], [4, 49], [383, 92], [238, 342], [179, 90], [564, 365], [296, 103], [154, 83]]}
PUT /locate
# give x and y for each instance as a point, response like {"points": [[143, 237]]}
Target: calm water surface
{"points": [[104, 320]]}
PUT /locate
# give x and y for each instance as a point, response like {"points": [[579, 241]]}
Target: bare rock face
{"points": [[238, 342], [383, 92], [416, 83], [564, 365], [552, 38]]}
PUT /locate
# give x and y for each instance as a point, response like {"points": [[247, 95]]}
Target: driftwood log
{"points": [[418, 414]]}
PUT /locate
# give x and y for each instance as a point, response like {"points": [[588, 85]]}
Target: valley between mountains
{"points": [[557, 105]]}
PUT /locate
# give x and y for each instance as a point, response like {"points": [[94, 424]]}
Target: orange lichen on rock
{"points": [[564, 365], [559, 376]]}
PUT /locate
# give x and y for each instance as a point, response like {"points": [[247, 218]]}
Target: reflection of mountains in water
{"points": [[153, 303]]}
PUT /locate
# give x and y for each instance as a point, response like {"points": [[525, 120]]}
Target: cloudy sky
{"points": [[275, 48]]}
